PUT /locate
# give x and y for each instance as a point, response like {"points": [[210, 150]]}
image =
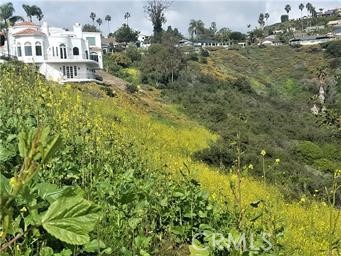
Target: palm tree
{"points": [[266, 16], [93, 17], [99, 22], [287, 8], [33, 10], [309, 6], [7, 18], [261, 21], [108, 19], [29, 11], [301, 7], [126, 17], [196, 27]]}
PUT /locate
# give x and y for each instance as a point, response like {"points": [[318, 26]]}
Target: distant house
{"points": [[210, 43], [185, 42], [328, 13], [143, 41], [270, 41], [276, 32], [314, 29], [311, 40], [334, 23], [59, 54]]}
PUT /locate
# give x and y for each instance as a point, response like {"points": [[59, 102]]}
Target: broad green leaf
{"points": [[51, 192], [70, 219]]}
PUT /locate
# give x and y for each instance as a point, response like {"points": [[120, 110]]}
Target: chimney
{"points": [[77, 29], [45, 28]]}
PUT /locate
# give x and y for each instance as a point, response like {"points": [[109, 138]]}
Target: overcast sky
{"points": [[232, 14]]}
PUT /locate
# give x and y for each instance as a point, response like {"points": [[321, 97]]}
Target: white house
{"points": [[59, 54], [311, 40]]}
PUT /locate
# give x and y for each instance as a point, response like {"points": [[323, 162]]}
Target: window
{"points": [[56, 51], [53, 51], [86, 55], [62, 50], [70, 71], [19, 54], [75, 51], [94, 56], [28, 49], [38, 49], [91, 40]]}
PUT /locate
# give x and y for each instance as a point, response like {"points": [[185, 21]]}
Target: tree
{"points": [[213, 28], [99, 22], [125, 34], [237, 36], [287, 9], [301, 7], [266, 16], [261, 21], [223, 34], [89, 28], [33, 10], [284, 18], [8, 19], [108, 19], [127, 16], [93, 17], [196, 27], [155, 10], [309, 6]]}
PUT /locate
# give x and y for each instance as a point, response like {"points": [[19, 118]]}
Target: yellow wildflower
{"points": [[263, 153], [277, 161]]}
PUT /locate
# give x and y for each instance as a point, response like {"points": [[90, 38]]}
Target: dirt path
{"points": [[111, 80]]}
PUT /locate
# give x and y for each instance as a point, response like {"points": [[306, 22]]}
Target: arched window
{"points": [[62, 49], [75, 51], [19, 53], [28, 49], [39, 51], [94, 56]]}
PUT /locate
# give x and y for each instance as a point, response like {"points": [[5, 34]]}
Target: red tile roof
{"points": [[25, 23], [28, 31]]}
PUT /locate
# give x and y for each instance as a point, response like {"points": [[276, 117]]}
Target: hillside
{"points": [[142, 158]]}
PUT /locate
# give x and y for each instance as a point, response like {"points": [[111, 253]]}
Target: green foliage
{"points": [[133, 53], [126, 34], [309, 151], [89, 28], [334, 48], [284, 18], [70, 220], [161, 64]]}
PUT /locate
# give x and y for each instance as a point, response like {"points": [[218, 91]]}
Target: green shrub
{"points": [[334, 48], [308, 151]]}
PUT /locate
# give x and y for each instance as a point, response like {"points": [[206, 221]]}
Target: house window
{"points": [[38, 49], [94, 56], [75, 51], [19, 53], [28, 49], [91, 40], [69, 71], [56, 51], [62, 50], [86, 55]]}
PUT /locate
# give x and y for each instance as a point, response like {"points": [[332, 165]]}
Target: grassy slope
{"points": [[170, 139]]}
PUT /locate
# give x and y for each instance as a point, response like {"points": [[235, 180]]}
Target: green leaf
{"points": [[197, 250], [5, 187], [51, 192], [70, 219], [94, 246], [46, 251]]}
